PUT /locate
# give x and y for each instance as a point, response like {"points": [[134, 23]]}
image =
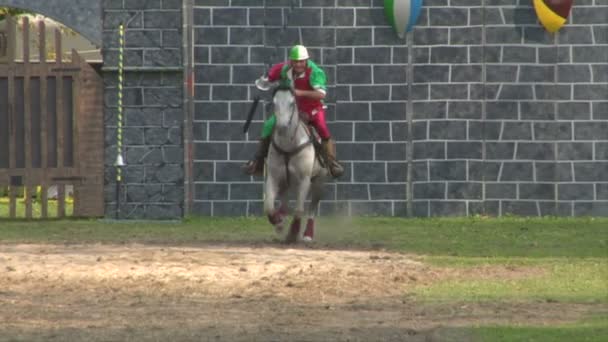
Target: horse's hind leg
{"points": [[316, 195]]}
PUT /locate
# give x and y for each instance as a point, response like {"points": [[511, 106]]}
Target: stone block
{"points": [[396, 172], [517, 171], [246, 191], [352, 191], [575, 192], [435, 190], [210, 151], [229, 208], [430, 109], [464, 73], [368, 172], [448, 130], [553, 131], [574, 151], [448, 208], [553, 171], [354, 74], [465, 35], [596, 208], [431, 36], [464, 190], [448, 170], [501, 191], [601, 191], [591, 171], [501, 73], [431, 73], [449, 54], [593, 92], [375, 208], [520, 208], [464, 150], [519, 54], [535, 151], [393, 74], [355, 151], [429, 150], [591, 130], [537, 191], [371, 93], [390, 151], [448, 92], [393, 191], [211, 191], [354, 37], [575, 74]]}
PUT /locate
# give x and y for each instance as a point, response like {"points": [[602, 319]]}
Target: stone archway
{"points": [[82, 16]]}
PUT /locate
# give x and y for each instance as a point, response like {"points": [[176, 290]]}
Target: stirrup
{"points": [[253, 168]]}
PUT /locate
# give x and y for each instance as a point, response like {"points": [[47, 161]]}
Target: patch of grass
{"points": [[587, 331], [496, 237], [563, 280], [444, 237]]}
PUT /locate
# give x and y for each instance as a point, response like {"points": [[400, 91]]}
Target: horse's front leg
{"points": [[274, 216], [316, 191], [302, 190]]}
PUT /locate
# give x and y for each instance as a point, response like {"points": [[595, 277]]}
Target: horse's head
{"points": [[285, 108]]}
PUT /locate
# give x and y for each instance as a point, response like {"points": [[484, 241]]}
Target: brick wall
{"points": [[506, 117], [152, 99]]}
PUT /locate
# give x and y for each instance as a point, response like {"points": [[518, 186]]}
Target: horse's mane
{"points": [[283, 88]]}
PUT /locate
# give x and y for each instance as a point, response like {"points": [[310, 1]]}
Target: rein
{"points": [[287, 155]]}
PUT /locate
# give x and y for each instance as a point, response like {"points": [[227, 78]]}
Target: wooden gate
{"points": [[51, 131]]}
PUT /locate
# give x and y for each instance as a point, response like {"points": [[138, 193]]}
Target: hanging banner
{"points": [[552, 14], [402, 14]]}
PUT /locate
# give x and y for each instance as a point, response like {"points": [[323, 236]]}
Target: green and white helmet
{"points": [[298, 53]]}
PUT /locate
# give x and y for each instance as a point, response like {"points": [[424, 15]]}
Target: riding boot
{"points": [[329, 154], [255, 167]]}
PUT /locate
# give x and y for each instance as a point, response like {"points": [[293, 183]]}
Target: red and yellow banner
{"points": [[552, 14]]}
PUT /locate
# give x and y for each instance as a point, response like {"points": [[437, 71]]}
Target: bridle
{"points": [[287, 155]]}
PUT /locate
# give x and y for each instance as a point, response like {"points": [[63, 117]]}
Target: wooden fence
{"points": [[51, 128]]}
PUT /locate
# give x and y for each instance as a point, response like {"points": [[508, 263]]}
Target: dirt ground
{"points": [[240, 293]]}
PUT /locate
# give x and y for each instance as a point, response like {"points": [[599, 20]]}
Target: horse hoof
{"points": [[294, 231], [275, 218], [310, 231]]}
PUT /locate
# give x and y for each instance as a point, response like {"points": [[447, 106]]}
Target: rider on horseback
{"points": [[309, 83]]}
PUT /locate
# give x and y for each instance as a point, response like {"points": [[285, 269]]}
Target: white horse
{"points": [[292, 163]]}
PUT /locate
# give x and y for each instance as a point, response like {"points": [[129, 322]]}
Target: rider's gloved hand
{"points": [[262, 83]]}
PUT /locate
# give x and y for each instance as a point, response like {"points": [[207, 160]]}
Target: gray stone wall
{"points": [[152, 98], [507, 118]]}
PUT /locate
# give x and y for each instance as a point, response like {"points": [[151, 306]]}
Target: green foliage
{"points": [[13, 12]]}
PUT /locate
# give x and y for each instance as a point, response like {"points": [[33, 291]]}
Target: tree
{"points": [[13, 12]]}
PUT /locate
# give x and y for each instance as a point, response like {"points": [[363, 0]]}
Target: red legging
{"points": [[318, 122]]}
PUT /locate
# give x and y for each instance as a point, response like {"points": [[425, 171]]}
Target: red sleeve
{"points": [[274, 74]]}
